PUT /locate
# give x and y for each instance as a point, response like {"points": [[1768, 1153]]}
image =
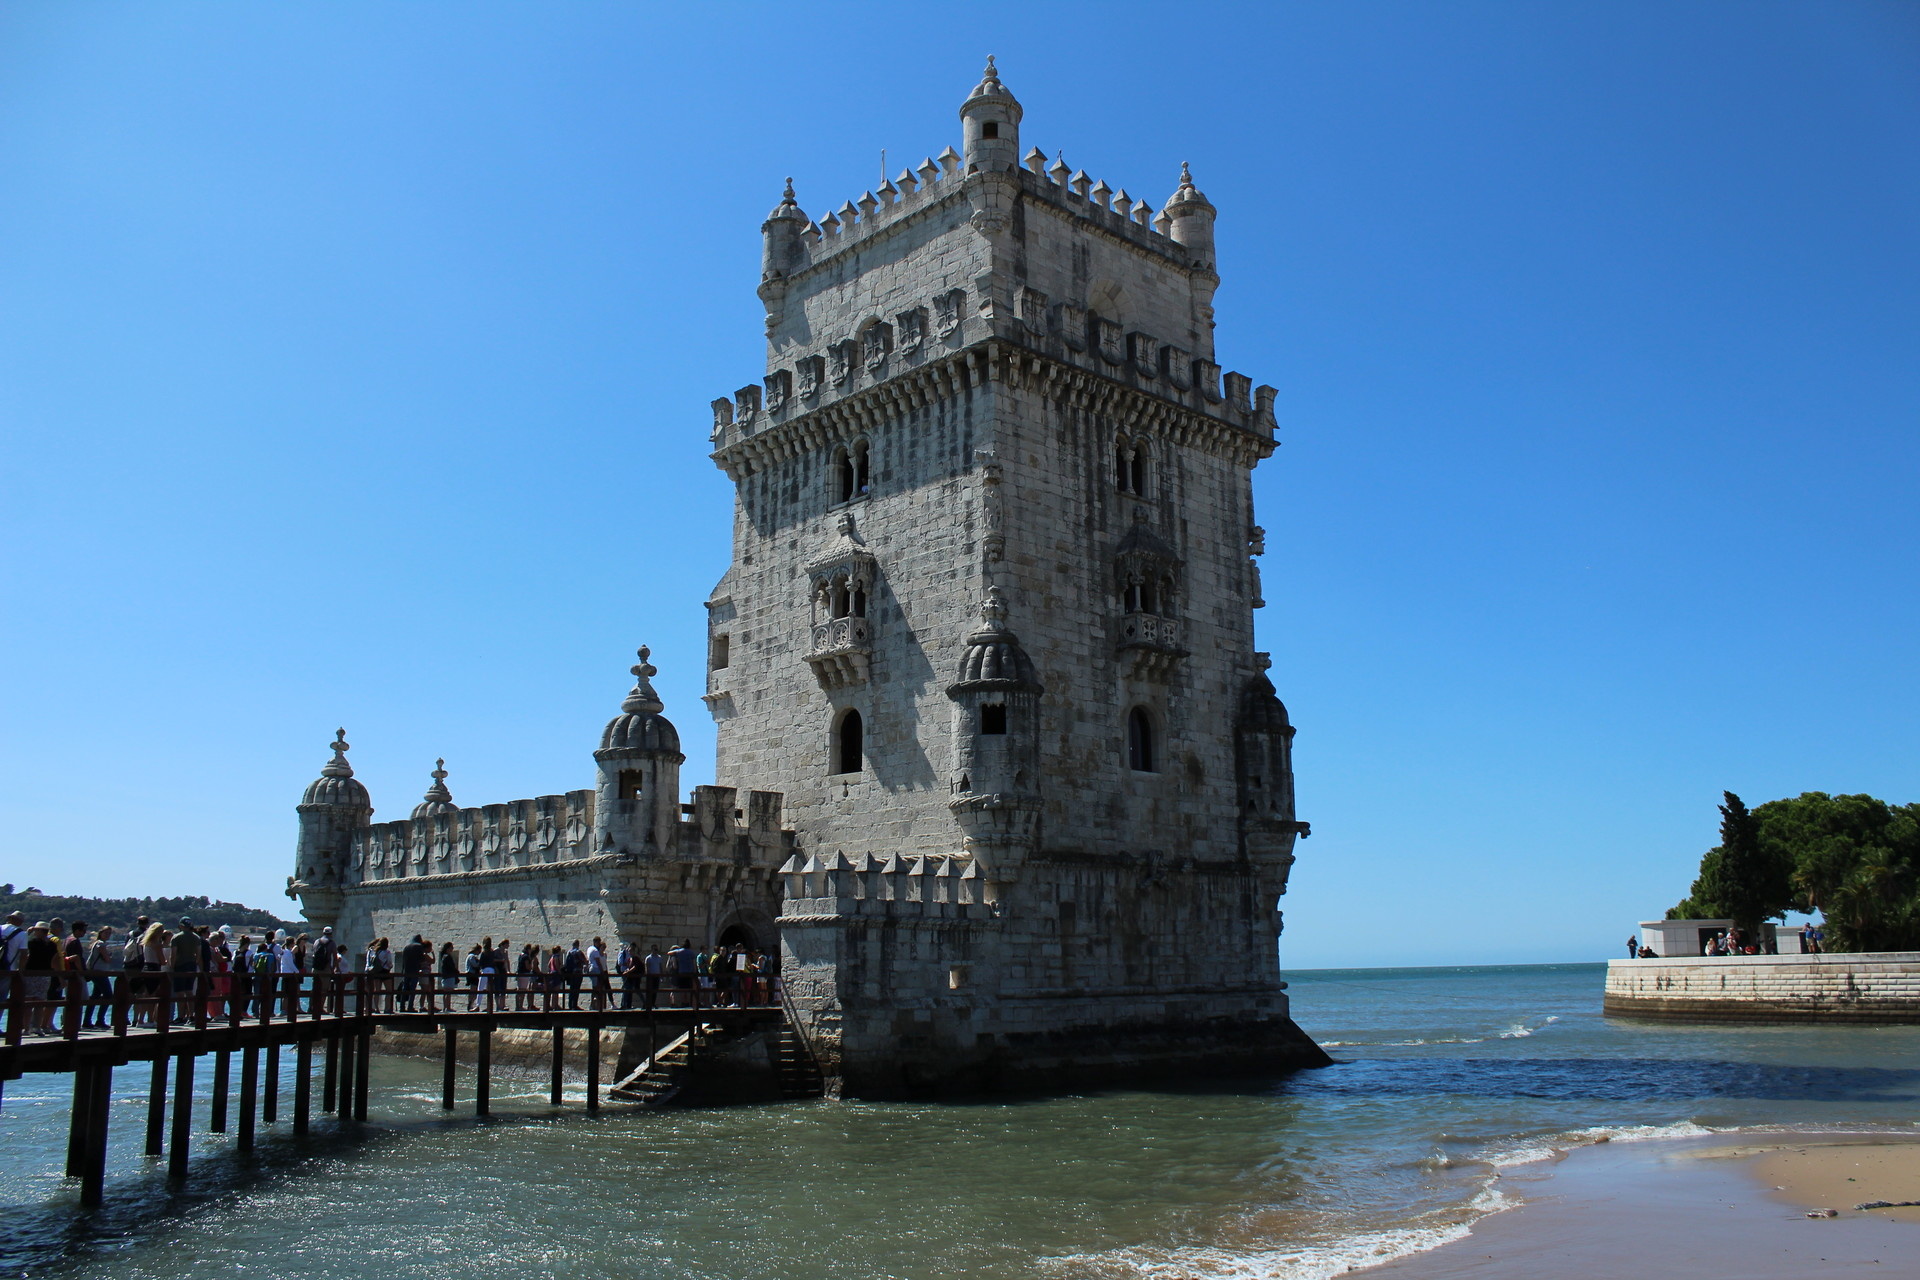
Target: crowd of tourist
{"points": [[56, 964]]}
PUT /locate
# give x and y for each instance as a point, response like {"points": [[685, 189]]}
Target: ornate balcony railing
{"points": [[840, 651]]}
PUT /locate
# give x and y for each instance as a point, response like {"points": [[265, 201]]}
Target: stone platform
{"points": [[1864, 987]]}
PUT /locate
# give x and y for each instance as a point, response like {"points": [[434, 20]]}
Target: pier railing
{"points": [[69, 1002]]}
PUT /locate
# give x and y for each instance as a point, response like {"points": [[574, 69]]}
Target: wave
{"points": [[1514, 1031], [1301, 1262]]}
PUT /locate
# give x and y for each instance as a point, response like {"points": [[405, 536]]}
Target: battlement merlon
{"points": [[557, 831]]}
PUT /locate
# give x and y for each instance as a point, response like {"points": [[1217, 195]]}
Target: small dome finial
{"points": [[992, 75], [641, 698], [338, 766], [787, 195], [438, 793], [1186, 175]]}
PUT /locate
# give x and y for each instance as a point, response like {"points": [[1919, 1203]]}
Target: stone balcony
{"points": [[841, 652], [1153, 644]]}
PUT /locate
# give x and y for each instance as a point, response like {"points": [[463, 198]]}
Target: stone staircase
{"points": [[794, 1066], [656, 1082], [674, 1075]]}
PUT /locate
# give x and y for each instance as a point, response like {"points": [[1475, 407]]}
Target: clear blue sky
{"points": [[354, 362]]}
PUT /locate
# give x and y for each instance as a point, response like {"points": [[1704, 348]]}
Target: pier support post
{"points": [[554, 1094], [593, 1068], [343, 1101], [93, 1171], [483, 1060], [360, 1075], [331, 1075], [79, 1117], [270, 1087], [249, 1095], [302, 1084], [222, 1080], [182, 1115], [446, 1073], [157, 1108]]}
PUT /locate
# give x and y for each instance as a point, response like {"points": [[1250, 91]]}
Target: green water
{"points": [[1445, 1076]]}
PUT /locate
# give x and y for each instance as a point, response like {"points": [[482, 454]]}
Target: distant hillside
{"points": [[121, 912]]}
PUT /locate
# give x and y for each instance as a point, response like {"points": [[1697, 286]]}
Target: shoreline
{"points": [[1747, 1202]]}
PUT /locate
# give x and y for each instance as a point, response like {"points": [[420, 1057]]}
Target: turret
{"points": [[438, 799], [1189, 216], [335, 807], [996, 747], [781, 251], [637, 802], [1264, 741], [990, 120]]}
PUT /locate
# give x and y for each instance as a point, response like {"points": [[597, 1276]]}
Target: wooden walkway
{"points": [[337, 1024]]}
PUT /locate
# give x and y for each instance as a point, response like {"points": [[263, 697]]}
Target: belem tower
{"points": [[1002, 775]]}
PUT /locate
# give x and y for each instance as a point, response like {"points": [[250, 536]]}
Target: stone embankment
{"points": [[1865, 987]]}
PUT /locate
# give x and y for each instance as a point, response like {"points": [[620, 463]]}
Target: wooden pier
{"points": [[171, 1021]]}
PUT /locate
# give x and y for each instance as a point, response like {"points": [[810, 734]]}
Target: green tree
{"points": [[1856, 860], [1743, 878]]}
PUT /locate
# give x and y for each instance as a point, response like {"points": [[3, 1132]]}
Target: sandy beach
{"points": [[1699, 1206]]}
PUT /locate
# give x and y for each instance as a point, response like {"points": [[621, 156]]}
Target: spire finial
{"points": [[641, 699], [438, 793], [338, 766], [1186, 175], [787, 195]]}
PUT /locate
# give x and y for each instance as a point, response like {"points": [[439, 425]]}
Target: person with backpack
{"points": [[526, 972], [413, 963], [473, 964], [625, 967], [323, 981], [574, 968], [652, 967], [13, 941], [102, 958]]}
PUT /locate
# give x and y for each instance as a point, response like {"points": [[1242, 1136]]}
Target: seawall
{"points": [[1864, 987]]}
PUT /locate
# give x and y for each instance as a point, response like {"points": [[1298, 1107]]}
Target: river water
{"points": [[1444, 1076]]}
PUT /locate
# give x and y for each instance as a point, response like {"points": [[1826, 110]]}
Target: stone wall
{"points": [[1878, 986]]}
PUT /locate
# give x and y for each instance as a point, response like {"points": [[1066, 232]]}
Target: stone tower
{"points": [[988, 626]]}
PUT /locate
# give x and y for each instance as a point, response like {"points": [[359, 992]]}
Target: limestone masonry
{"points": [[1004, 777], [1867, 986]]}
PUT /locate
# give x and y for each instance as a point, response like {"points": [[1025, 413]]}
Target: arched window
{"points": [[630, 784], [1130, 468], [842, 475], [852, 475], [993, 718], [1140, 757], [849, 749]]}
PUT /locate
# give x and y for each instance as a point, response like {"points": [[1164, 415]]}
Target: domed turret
{"points": [[336, 783], [640, 726], [996, 748], [1189, 218], [333, 811], [438, 799], [637, 802], [1261, 708], [780, 251], [990, 118], [1263, 742], [994, 658]]}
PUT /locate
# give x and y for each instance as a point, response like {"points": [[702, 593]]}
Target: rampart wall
{"points": [[1866, 987]]}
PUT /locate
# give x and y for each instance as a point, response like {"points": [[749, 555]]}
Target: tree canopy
{"points": [[1854, 859]]}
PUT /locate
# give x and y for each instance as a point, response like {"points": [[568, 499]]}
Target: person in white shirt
{"points": [[597, 970]]}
